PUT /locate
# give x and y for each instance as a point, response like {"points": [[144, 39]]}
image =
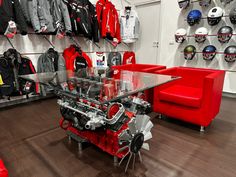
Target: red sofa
{"points": [[3, 170], [194, 98], [148, 68]]}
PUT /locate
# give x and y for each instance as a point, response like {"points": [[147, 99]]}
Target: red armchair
{"points": [[3, 170], [148, 68], [194, 98]]}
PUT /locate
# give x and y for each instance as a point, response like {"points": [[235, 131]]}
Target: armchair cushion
{"points": [[182, 95]]}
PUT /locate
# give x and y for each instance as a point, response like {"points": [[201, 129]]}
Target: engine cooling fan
{"points": [[134, 138]]}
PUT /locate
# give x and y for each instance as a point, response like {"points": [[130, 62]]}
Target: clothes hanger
{"points": [[127, 8]]}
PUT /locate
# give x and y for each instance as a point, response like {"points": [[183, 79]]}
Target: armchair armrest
{"points": [[212, 92]]}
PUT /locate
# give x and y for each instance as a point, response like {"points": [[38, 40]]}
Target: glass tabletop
{"points": [[99, 84]]}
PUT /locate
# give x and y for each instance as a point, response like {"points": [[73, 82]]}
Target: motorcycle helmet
{"points": [[209, 52], [204, 3], [183, 4], [230, 54], [189, 52], [180, 35], [200, 34], [224, 2], [194, 17], [214, 16], [224, 34], [232, 16]]}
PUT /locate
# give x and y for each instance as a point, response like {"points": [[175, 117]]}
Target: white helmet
{"points": [[200, 34], [204, 3], [183, 4], [180, 35], [214, 16]]}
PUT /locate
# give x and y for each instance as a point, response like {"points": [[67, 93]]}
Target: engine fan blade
{"points": [[123, 158], [148, 127], [127, 165], [147, 119], [140, 157], [141, 122], [146, 146], [147, 136], [122, 149], [124, 136], [134, 159], [132, 126]]}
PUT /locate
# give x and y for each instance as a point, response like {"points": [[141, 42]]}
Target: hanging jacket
{"points": [[99, 59], [60, 15], [83, 18], [25, 9], [75, 58], [69, 52], [129, 58], [108, 20], [26, 67], [7, 76], [40, 15], [14, 59], [78, 61], [10, 10], [16, 65], [50, 61], [130, 26], [114, 58]]}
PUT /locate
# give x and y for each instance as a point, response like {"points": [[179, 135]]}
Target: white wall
{"points": [[172, 18]]}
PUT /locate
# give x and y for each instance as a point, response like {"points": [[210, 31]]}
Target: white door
{"points": [[146, 47]]}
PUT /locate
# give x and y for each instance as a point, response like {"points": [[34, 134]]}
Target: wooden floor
{"points": [[32, 145]]}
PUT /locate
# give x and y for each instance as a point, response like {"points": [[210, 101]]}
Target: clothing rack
{"points": [[39, 53], [72, 38], [36, 53]]}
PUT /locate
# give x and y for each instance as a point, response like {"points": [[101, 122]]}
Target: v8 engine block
{"points": [[116, 124]]}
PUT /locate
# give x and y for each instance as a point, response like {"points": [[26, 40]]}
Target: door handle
{"points": [[155, 44]]}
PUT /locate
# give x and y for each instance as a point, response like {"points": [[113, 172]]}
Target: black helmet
{"points": [[230, 54], [209, 52], [214, 16], [232, 16], [189, 52], [225, 33]]}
